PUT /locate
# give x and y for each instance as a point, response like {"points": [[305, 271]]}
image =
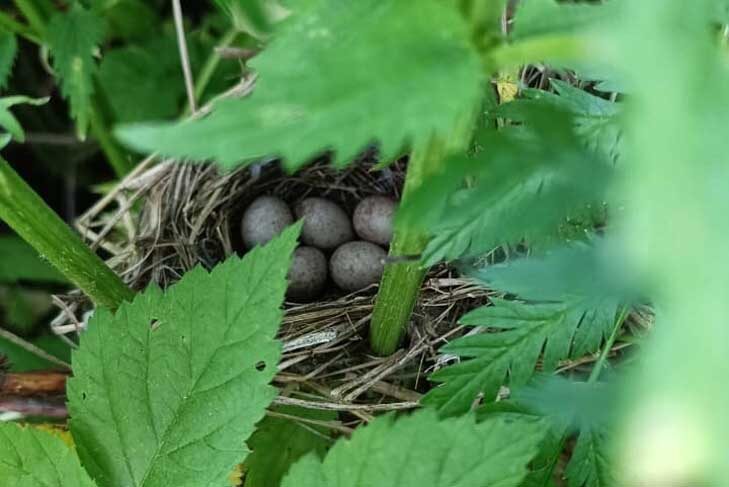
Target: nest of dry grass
{"points": [[165, 218]]}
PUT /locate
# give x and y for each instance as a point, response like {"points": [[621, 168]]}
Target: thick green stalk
{"points": [[34, 221], [400, 284]]}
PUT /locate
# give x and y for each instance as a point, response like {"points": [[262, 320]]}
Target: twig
{"points": [[33, 383], [333, 406], [38, 352], [184, 56], [335, 425], [25, 407]]}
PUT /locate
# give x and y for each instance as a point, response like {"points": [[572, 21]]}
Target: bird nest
{"points": [[166, 218]]}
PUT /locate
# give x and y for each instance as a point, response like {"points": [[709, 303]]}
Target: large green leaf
{"points": [[591, 464], [279, 442], [166, 391], [30, 458], [331, 81], [526, 183], [72, 37], [521, 334], [132, 76], [424, 451]]}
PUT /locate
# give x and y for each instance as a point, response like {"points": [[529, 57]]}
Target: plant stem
{"points": [[27, 214], [401, 281], [211, 64], [602, 360], [115, 155]]}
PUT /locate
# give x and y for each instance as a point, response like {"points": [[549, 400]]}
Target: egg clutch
{"points": [[355, 247]]}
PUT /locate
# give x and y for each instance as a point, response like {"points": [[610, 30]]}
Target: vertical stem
{"points": [[211, 64], [184, 56], [27, 214], [115, 155], [602, 360], [401, 281]]}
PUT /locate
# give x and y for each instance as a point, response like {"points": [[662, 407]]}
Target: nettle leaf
{"points": [[527, 182], [279, 442], [423, 451], [595, 120], [72, 38], [520, 334], [132, 76], [591, 464], [8, 51], [30, 457], [329, 81], [166, 391]]}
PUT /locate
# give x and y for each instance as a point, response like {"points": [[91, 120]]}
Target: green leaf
{"points": [[279, 442], [521, 333], [255, 17], [72, 38], [547, 31], [588, 271], [8, 51], [591, 465], [541, 467], [595, 119], [20, 262], [133, 75], [527, 182], [166, 391], [329, 81], [31, 457], [423, 451], [538, 18]]}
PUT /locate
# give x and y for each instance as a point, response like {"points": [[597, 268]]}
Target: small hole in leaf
{"points": [[261, 366], [83, 396], [155, 324]]}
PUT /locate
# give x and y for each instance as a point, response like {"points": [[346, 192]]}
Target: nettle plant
{"points": [[168, 385]]}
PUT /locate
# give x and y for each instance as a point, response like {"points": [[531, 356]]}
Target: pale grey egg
{"points": [[373, 219], [308, 273], [264, 219], [326, 225], [356, 265]]}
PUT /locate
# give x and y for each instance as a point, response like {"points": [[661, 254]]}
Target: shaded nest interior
{"points": [[165, 218]]}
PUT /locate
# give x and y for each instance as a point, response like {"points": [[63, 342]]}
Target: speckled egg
{"points": [[326, 225], [373, 219], [265, 218], [308, 273], [356, 265]]}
